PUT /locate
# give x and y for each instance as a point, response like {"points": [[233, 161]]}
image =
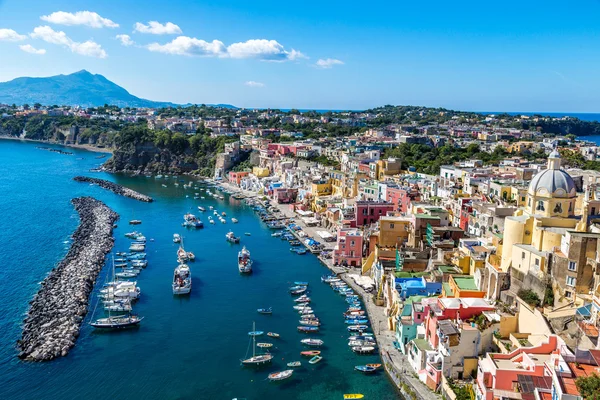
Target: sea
{"points": [[186, 347]]}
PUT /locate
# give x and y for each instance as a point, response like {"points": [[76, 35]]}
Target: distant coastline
{"points": [[589, 117], [87, 147]]}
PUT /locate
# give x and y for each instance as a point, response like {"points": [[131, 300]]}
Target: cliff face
{"points": [[148, 158]]}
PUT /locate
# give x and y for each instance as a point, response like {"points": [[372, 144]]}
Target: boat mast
{"points": [[253, 339]]}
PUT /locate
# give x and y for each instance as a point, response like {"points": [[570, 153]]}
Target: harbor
{"points": [[395, 365], [181, 334]]}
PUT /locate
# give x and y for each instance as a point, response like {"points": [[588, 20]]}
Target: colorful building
{"points": [[349, 247]]}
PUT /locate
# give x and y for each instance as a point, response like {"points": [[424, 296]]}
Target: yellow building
{"points": [[387, 168], [520, 147], [393, 231], [540, 225], [260, 172], [321, 188]]}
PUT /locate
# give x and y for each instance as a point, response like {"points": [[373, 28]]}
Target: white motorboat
{"points": [[244, 261], [176, 238], [182, 280]]}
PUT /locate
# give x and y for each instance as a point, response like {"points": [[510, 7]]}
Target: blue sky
{"points": [[467, 55]]}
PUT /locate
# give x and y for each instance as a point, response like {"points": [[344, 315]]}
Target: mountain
{"points": [[80, 88]]}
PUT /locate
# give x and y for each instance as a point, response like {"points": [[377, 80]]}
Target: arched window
{"points": [[540, 206], [558, 208]]}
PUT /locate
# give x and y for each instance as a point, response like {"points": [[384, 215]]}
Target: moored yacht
{"points": [[182, 280], [244, 261]]}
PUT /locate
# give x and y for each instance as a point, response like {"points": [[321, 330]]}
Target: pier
{"points": [[115, 188], [52, 324]]}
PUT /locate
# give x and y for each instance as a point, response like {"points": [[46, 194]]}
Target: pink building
{"points": [[348, 250], [497, 376], [401, 197], [369, 212]]}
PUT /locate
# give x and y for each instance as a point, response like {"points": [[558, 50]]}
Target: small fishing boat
{"points": [[273, 334], [301, 251], [234, 220], [363, 349], [176, 238], [135, 222], [310, 353], [308, 329], [376, 366], [297, 292], [350, 396], [356, 321], [247, 234], [223, 214], [315, 360], [231, 238], [312, 342], [265, 310], [255, 333], [294, 364], [357, 328], [365, 369], [309, 322], [279, 376], [302, 299], [301, 283], [201, 208], [264, 345]]}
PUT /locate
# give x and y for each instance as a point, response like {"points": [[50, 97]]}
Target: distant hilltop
{"points": [[81, 88]]}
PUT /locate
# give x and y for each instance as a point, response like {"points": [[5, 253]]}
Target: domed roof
{"points": [[552, 183]]}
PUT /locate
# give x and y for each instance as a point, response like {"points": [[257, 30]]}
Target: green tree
{"points": [[589, 386]]}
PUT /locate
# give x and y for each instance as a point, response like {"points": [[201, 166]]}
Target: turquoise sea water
{"points": [[186, 347]]}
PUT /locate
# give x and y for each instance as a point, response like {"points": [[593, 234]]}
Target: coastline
{"points": [[87, 147]]}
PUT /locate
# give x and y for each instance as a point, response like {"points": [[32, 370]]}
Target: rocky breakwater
{"points": [[52, 324], [113, 187]]}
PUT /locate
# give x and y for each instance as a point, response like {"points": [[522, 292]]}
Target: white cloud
{"points": [[125, 40], [27, 48], [328, 63], [156, 28], [254, 84], [261, 49], [86, 18], [10, 36], [187, 46], [89, 48]]}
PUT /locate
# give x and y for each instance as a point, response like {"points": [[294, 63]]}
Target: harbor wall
{"points": [[115, 188], [56, 312]]}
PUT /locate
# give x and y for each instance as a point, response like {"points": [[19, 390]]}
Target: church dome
{"points": [[553, 182]]}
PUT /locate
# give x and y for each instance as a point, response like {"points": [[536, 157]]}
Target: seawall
{"points": [[115, 188], [52, 324]]}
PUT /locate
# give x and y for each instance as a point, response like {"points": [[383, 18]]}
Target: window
{"points": [[372, 211], [570, 207], [364, 221], [571, 281], [540, 206], [572, 266], [391, 226], [567, 293], [537, 262], [523, 255], [558, 208], [522, 198], [352, 243], [380, 211], [364, 211]]}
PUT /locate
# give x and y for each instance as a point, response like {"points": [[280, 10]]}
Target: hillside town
{"points": [[483, 273]]}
